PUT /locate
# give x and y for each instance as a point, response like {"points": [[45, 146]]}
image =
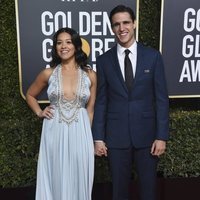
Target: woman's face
{"points": [[64, 47]]}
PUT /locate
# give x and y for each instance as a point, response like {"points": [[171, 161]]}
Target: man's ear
{"points": [[134, 24]]}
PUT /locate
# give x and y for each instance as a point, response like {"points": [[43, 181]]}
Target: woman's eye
{"points": [[69, 42]]}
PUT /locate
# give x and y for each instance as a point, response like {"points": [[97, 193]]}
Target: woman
{"points": [[66, 158]]}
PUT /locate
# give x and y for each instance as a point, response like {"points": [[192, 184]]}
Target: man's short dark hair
{"points": [[122, 8]]}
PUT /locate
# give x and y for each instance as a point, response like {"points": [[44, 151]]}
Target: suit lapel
{"points": [[138, 63], [117, 67]]}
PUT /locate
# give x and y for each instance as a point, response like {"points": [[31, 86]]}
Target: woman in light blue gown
{"points": [[66, 158]]}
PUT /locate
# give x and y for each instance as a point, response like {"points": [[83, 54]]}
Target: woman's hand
{"points": [[46, 113], [100, 148]]}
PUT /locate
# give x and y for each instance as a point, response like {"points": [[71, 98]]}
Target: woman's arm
{"points": [[91, 102], [35, 89]]}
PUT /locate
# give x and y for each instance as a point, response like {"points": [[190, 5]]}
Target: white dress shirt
{"points": [[132, 55]]}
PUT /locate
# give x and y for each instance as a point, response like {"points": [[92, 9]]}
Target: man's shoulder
{"points": [[108, 54], [147, 49]]}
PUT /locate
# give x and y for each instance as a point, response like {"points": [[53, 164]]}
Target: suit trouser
{"points": [[121, 163]]}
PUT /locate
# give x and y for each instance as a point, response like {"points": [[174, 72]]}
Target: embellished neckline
{"points": [[77, 87], [69, 108]]}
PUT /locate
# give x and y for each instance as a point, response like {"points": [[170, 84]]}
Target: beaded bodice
{"points": [[68, 109]]}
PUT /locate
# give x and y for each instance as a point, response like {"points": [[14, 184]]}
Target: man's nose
{"points": [[121, 26]]}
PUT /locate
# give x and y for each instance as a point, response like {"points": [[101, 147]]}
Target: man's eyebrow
{"points": [[123, 22]]}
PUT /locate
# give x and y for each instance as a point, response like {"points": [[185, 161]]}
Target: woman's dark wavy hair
{"points": [[80, 56]]}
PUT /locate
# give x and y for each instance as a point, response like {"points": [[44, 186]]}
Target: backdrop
{"points": [[180, 46], [37, 21]]}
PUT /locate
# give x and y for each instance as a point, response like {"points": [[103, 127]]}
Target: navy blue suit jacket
{"points": [[137, 117]]}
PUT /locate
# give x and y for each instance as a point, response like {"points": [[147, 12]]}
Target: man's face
{"points": [[123, 27]]}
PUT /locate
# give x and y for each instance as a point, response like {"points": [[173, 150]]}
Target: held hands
{"points": [[100, 148], [158, 147], [46, 113]]}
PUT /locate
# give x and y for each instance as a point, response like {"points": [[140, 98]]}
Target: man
{"points": [[131, 111]]}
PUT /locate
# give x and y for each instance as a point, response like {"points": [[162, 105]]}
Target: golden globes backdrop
{"points": [[37, 21], [180, 46]]}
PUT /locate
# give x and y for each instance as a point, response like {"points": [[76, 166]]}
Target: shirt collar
{"points": [[132, 48]]}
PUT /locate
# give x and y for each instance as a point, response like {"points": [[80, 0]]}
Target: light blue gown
{"points": [[66, 157]]}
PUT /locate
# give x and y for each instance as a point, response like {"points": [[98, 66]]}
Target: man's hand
{"points": [[158, 147], [100, 148]]}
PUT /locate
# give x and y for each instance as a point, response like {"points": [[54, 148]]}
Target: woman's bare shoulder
{"points": [[46, 73], [91, 74]]}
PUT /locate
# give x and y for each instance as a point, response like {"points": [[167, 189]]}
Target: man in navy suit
{"points": [[131, 122]]}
